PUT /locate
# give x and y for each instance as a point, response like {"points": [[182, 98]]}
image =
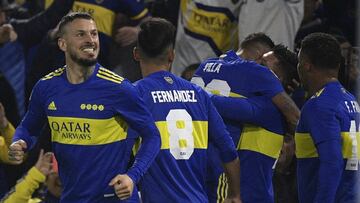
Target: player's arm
{"points": [[29, 127], [289, 109], [325, 131], [245, 110], [132, 108], [228, 154], [266, 83], [137, 12], [31, 31]]}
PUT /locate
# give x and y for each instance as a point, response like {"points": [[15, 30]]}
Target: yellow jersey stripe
{"points": [[109, 71], [111, 75], [107, 78], [233, 94], [200, 134], [140, 15], [57, 72], [86, 131], [260, 140], [305, 147], [222, 189]]}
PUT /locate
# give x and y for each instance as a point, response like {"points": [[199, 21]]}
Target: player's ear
{"points": [[136, 54], [62, 44], [171, 55]]}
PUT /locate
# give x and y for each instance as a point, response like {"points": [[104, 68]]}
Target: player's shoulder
{"points": [[107, 76], [53, 75], [327, 99]]}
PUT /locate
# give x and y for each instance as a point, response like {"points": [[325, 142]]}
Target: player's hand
{"points": [[233, 200], [3, 120], [293, 86], [43, 163], [7, 34], [16, 151], [123, 186], [126, 35], [286, 155]]}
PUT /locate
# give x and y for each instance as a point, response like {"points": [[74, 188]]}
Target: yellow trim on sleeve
{"points": [[140, 15]]}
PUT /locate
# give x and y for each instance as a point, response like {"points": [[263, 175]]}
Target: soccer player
{"points": [[89, 109], [327, 135], [187, 121], [258, 146]]}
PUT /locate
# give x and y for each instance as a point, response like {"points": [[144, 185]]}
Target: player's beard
{"points": [[83, 61]]}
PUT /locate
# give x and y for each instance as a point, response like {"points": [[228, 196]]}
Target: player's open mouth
{"points": [[89, 50]]}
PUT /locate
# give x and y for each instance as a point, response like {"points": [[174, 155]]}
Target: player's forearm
{"points": [[149, 148], [289, 109], [232, 171], [238, 109], [26, 187], [33, 30]]}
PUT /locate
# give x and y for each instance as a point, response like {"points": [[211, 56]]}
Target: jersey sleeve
{"points": [[218, 134], [132, 108], [239, 109], [34, 118], [325, 132], [6, 136], [135, 9], [264, 82], [25, 187]]}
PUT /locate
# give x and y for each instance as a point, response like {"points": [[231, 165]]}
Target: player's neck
{"points": [[148, 68], [77, 74], [320, 82]]}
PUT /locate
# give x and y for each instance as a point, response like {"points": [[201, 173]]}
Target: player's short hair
{"points": [[287, 61], [257, 38], [322, 50], [156, 35], [70, 17]]}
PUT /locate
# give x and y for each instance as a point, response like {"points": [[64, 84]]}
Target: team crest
{"points": [[169, 80]]}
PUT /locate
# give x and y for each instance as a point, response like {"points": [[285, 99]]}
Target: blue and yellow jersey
{"points": [[330, 116], [89, 126], [104, 11], [258, 140], [187, 121], [232, 76]]}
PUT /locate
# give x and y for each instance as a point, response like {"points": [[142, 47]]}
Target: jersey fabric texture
{"points": [[187, 121], [206, 28], [89, 123], [258, 147], [330, 116]]}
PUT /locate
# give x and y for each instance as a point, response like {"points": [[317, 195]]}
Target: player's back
{"points": [[232, 76], [180, 110], [258, 144], [335, 106]]}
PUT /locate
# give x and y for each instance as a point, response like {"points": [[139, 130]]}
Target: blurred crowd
{"points": [[29, 50]]}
